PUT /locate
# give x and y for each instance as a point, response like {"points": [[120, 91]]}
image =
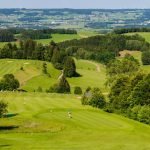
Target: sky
{"points": [[107, 4]]}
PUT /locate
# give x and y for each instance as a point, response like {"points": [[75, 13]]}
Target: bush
{"points": [[144, 114], [61, 87], [77, 90], [146, 58], [9, 83], [108, 108], [94, 97], [39, 89], [3, 108]]}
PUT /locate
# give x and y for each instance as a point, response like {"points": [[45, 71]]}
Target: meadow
{"points": [[145, 35], [47, 126]]}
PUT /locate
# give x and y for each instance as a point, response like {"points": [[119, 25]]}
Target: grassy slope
{"points": [[47, 126], [137, 55], [146, 35], [32, 77]]}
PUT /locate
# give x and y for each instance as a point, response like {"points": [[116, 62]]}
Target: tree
{"points": [[77, 90], [70, 67], [39, 89], [128, 65], [140, 94], [44, 68], [94, 97], [3, 108], [146, 57], [9, 83], [61, 87], [144, 114]]}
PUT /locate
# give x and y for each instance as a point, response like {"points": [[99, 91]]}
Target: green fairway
{"points": [[47, 126], [92, 74], [59, 38]]}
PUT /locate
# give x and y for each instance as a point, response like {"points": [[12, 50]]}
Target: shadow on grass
{"points": [[9, 115], [5, 145], [2, 128]]}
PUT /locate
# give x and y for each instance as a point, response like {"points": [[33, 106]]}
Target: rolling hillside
{"points": [[47, 126], [32, 77]]}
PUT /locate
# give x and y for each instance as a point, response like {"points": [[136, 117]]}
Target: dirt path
{"points": [[98, 69], [60, 76]]}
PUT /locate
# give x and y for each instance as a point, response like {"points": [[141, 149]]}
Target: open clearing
{"points": [[47, 126]]}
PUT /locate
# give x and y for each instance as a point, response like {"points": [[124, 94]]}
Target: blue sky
{"points": [[75, 4]]}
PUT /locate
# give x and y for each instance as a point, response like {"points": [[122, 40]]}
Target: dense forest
{"points": [[102, 48]]}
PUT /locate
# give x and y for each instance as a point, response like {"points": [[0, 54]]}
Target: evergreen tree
{"points": [[44, 68], [61, 87], [70, 67]]}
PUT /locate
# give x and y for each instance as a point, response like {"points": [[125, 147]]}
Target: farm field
{"points": [[47, 126]]}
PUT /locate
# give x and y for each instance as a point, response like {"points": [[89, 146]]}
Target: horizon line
{"points": [[75, 8]]}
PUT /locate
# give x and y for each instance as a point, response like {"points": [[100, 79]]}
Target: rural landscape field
{"points": [[74, 77]]}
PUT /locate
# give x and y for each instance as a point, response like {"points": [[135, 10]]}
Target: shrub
{"points": [[94, 97], [144, 114], [146, 57], [3, 108], [39, 89], [21, 68], [108, 108], [77, 90], [61, 87], [9, 83]]}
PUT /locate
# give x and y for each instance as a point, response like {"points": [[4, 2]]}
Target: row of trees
{"points": [[130, 30], [34, 34], [45, 31], [6, 36]]}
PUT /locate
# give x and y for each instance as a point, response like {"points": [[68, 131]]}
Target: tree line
{"points": [[129, 91], [8, 35], [103, 48], [130, 30]]}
